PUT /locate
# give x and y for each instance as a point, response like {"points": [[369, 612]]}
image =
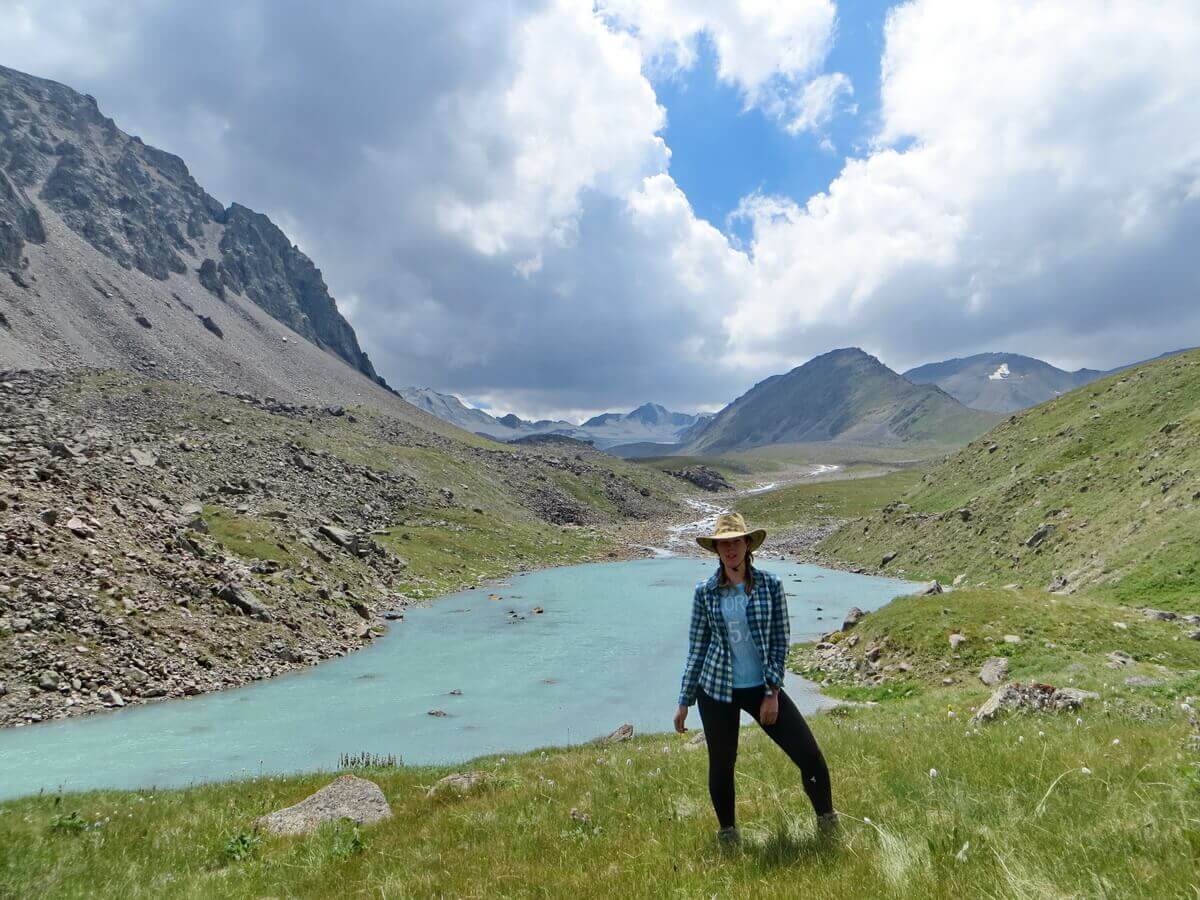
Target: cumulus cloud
{"points": [[1033, 186], [770, 51]]}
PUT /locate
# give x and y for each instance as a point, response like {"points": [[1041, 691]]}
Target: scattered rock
{"points": [[959, 580], [1033, 696], [623, 733], [887, 558], [1043, 531], [49, 681], [994, 670], [245, 601], [1118, 659], [957, 640], [853, 617], [457, 784], [1057, 583], [1142, 681], [934, 587], [580, 817], [1012, 639], [347, 797], [1162, 615]]}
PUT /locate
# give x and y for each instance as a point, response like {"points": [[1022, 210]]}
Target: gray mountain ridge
{"points": [[113, 255], [650, 422], [1007, 382]]}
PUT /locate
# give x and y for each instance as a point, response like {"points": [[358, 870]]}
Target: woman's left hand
{"points": [[769, 711]]}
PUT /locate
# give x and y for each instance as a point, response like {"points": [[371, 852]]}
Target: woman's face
{"points": [[731, 550]]}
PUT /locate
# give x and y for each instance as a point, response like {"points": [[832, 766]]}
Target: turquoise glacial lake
{"points": [[608, 649]]}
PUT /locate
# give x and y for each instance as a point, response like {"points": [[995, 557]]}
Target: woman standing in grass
{"points": [[738, 645]]}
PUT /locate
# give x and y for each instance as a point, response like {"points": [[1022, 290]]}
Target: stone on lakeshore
{"points": [[934, 587], [994, 670], [623, 733], [49, 680], [853, 617], [347, 797], [887, 558], [457, 784]]}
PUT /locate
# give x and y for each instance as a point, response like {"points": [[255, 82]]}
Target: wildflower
{"points": [[1078, 721], [1020, 738], [1041, 734], [629, 762], [867, 819], [933, 773], [1116, 741], [1085, 770], [950, 714], [961, 855]]}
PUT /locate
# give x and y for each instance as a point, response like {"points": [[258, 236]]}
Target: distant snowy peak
{"points": [[649, 422]]}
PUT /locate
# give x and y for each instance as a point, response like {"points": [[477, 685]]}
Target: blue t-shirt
{"points": [[747, 664]]}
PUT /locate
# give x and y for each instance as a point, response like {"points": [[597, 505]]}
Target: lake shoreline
{"points": [[628, 540]]}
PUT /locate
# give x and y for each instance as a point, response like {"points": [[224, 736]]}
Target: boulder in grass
{"points": [[623, 733], [1032, 696], [994, 670], [348, 797], [853, 617], [457, 784]]}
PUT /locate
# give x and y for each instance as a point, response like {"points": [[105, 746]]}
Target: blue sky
{"points": [[722, 152]]}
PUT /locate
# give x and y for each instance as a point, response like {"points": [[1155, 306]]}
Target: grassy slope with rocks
{"points": [[1032, 806], [159, 539], [1108, 474], [1105, 802]]}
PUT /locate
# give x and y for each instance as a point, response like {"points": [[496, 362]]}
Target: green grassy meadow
{"points": [[1102, 802]]}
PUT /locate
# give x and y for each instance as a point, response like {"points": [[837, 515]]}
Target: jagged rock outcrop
{"points": [[141, 208]]}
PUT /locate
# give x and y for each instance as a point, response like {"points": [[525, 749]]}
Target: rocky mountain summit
{"points": [[1007, 382], [158, 539], [114, 255], [843, 395]]}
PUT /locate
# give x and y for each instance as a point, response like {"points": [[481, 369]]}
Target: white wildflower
{"points": [[933, 773], [1116, 741], [1085, 770]]}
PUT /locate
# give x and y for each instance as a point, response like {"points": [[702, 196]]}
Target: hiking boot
{"points": [[729, 838], [827, 825]]}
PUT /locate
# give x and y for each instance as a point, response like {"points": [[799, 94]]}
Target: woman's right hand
{"points": [[680, 718]]}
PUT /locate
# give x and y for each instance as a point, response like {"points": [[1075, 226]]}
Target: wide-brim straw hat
{"points": [[732, 525]]}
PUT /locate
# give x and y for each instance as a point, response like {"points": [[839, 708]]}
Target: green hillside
{"points": [[1098, 489]]}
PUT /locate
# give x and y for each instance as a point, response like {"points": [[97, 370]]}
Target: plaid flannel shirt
{"points": [[710, 660]]}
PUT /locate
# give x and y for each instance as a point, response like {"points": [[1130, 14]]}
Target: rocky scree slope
{"points": [[158, 539], [845, 395], [112, 255], [1098, 489]]}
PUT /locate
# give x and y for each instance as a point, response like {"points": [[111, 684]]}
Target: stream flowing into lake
{"points": [[608, 648]]}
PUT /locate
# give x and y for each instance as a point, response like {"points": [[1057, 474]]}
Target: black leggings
{"points": [[790, 732]]}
